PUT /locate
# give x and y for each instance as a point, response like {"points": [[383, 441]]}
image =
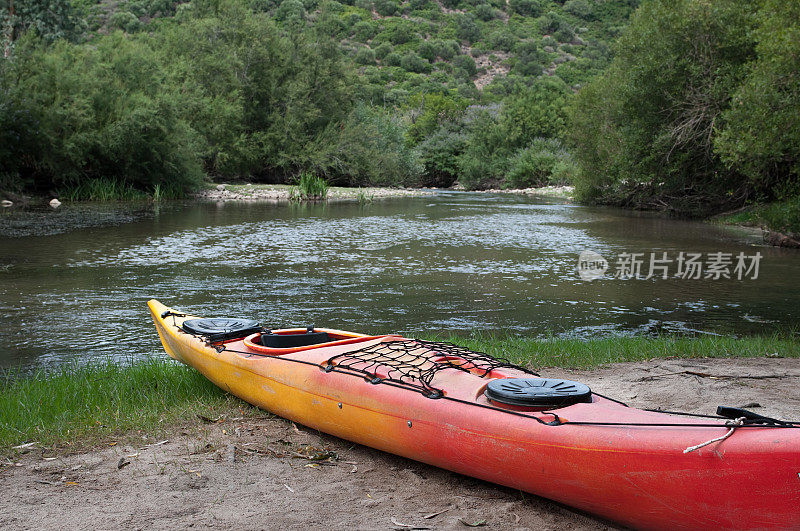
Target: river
{"points": [[451, 262]]}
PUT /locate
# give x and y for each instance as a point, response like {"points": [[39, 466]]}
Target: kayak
{"points": [[484, 417]]}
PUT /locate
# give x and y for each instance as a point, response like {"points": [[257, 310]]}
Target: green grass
{"points": [[83, 405], [781, 216], [102, 190], [580, 354], [312, 187], [118, 190]]}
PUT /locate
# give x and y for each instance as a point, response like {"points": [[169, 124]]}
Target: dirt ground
{"points": [[267, 473]]}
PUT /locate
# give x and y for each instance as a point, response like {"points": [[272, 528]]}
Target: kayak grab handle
{"points": [[749, 416]]}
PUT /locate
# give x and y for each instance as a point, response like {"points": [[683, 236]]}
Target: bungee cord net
{"points": [[414, 363]]}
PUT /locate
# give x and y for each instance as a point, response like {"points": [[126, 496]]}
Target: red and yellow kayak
{"points": [[468, 413]]}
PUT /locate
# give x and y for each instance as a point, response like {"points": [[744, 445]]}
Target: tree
{"points": [[760, 135], [49, 20], [660, 103]]}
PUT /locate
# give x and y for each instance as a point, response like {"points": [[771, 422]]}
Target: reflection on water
{"points": [[452, 262]]}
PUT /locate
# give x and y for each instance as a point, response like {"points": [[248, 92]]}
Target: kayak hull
{"points": [[635, 475]]}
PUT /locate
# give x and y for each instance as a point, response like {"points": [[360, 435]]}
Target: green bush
{"points": [[364, 56], [502, 40], [486, 12], [467, 29], [466, 64], [440, 152], [125, 21], [386, 8], [446, 49], [369, 149], [526, 8], [579, 8], [365, 30], [783, 216], [382, 50], [543, 162], [430, 111], [427, 51], [529, 59], [100, 112], [412, 62], [424, 5], [392, 59], [290, 10]]}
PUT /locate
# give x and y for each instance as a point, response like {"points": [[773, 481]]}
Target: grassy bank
{"points": [[89, 403], [578, 354], [783, 216], [80, 405]]}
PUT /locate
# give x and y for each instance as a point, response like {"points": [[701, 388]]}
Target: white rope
{"points": [[732, 423]]}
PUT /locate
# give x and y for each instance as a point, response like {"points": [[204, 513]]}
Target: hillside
{"points": [[382, 92]]}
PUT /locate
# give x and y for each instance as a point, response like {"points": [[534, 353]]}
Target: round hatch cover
{"points": [[221, 328], [537, 392]]}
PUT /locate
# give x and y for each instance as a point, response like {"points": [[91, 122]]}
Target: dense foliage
{"points": [[159, 95], [691, 108], [698, 112]]}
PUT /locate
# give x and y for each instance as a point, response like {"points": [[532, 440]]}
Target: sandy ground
{"points": [[264, 473]]}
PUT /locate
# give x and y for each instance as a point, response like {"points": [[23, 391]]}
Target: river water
{"points": [[451, 262]]}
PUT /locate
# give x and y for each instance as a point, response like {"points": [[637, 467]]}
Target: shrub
{"points": [[429, 111], [440, 152], [502, 40], [526, 8], [543, 162], [466, 64], [401, 34], [364, 56], [100, 112], [365, 30], [446, 49], [125, 21], [485, 12], [579, 8], [412, 62], [382, 50], [467, 29], [423, 5], [290, 10], [160, 8], [529, 59], [392, 59], [386, 8], [564, 34], [644, 131], [259, 6], [427, 51], [783, 216], [369, 149]]}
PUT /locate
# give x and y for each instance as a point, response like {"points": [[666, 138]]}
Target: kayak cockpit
{"points": [[277, 342]]}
